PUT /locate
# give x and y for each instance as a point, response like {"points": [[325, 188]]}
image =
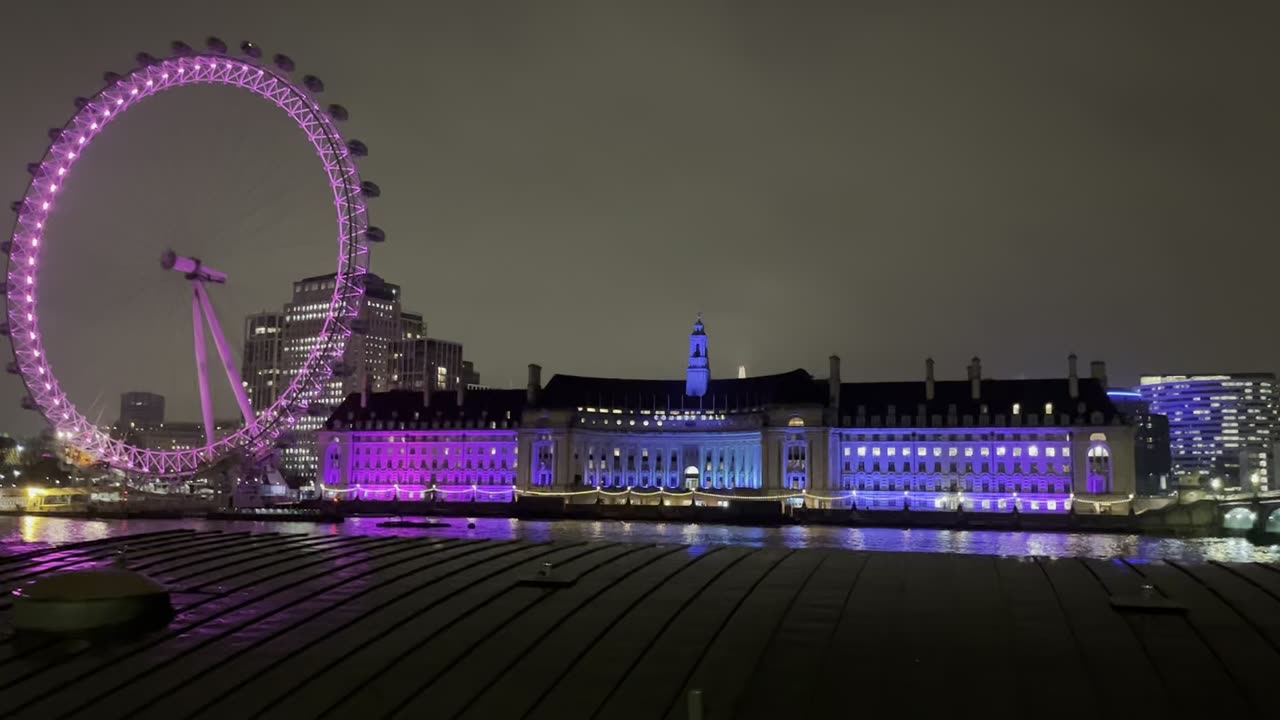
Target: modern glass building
{"points": [[1221, 427]]}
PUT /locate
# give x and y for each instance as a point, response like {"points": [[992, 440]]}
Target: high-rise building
{"points": [[1221, 427], [444, 364], [408, 357], [141, 409], [1152, 461], [470, 376], [366, 361], [263, 364]]}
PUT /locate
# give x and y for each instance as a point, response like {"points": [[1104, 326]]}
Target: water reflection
{"points": [[19, 534]]}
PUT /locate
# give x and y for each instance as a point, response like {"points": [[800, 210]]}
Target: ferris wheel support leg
{"points": [[224, 352], [202, 364]]}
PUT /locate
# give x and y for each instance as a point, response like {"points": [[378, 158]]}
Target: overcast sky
{"points": [[569, 183]]}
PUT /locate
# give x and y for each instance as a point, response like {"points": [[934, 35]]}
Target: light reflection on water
{"points": [[18, 534]]}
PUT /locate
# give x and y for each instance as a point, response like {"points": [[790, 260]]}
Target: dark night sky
{"points": [[568, 183]]}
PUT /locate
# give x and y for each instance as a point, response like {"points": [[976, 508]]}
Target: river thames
{"points": [[18, 534]]}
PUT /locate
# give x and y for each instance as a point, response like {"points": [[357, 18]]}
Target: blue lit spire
{"points": [[695, 384]]}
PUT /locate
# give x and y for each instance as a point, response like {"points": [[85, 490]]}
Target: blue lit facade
{"points": [[698, 374], [1221, 427], [981, 445]]}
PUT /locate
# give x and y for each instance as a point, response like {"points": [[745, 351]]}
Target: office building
{"points": [[1153, 464], [392, 352], [262, 366], [141, 409], [981, 445], [367, 356], [1222, 427], [470, 376], [444, 364]]}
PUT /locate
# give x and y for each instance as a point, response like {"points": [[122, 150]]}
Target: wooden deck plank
{"points": [[578, 691], [480, 666], [397, 680], [523, 682], [866, 650], [797, 650], [651, 684], [727, 664], [66, 681], [1243, 653], [300, 626], [355, 672], [1118, 666], [1043, 648]]}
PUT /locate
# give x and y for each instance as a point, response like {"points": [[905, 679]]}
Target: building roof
{"points": [[998, 396], [791, 388], [287, 625], [407, 406]]}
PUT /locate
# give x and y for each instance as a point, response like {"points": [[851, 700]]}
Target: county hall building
{"points": [[984, 445]]}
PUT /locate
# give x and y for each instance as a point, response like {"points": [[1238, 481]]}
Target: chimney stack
{"points": [[833, 383], [975, 378], [535, 384], [928, 379], [1073, 378], [1098, 369]]}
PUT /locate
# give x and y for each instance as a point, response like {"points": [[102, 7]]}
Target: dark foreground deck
{"points": [[357, 627]]}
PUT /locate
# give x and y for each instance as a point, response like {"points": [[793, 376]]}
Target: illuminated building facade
{"points": [[367, 356], [1035, 446], [1222, 428]]}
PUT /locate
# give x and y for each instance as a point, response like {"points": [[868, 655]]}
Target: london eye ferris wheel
{"points": [[270, 80]]}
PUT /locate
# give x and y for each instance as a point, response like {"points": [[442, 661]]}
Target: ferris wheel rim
{"points": [[121, 93]]}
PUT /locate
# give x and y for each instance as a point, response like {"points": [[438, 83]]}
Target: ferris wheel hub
{"points": [[192, 268]]}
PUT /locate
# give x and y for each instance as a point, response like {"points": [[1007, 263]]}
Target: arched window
{"points": [[795, 421]]}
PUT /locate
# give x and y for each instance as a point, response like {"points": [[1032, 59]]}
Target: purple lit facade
{"points": [[48, 176], [981, 445], [455, 464]]}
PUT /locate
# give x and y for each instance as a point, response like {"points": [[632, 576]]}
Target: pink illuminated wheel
{"points": [[271, 82]]}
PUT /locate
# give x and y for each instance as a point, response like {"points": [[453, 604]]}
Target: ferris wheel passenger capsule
{"points": [[339, 113], [11, 368], [284, 62], [313, 83], [81, 103], [370, 189], [33, 168], [248, 49], [28, 403], [145, 59], [54, 134], [358, 148], [375, 234], [180, 48], [111, 78], [16, 206], [215, 45]]}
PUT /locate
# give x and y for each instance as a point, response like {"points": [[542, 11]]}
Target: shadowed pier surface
{"points": [[294, 626]]}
